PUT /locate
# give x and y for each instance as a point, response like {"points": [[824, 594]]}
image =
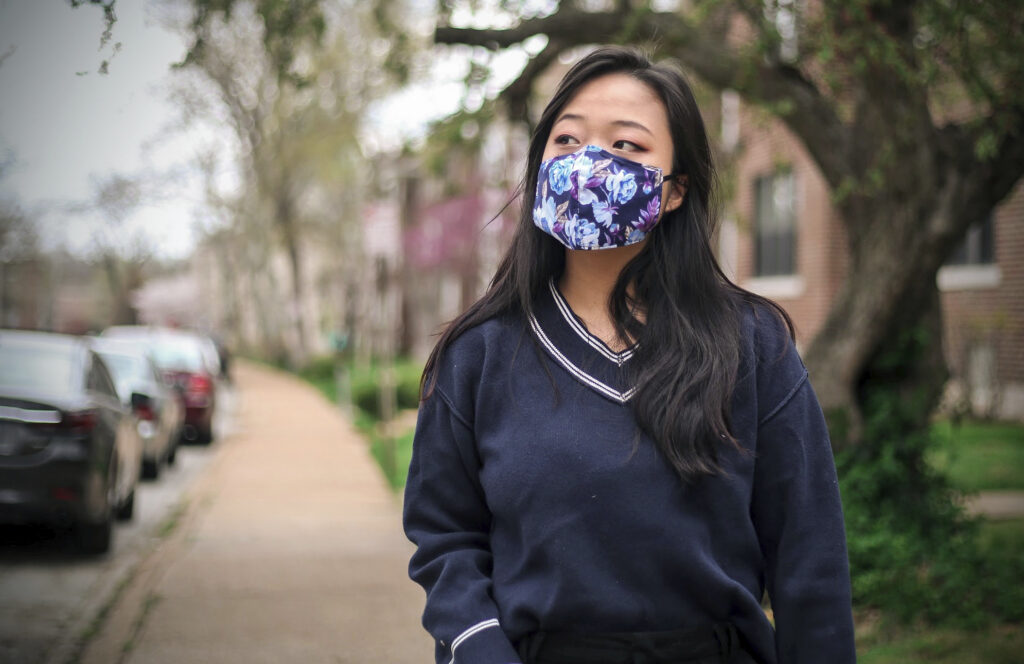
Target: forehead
{"points": [[618, 97]]}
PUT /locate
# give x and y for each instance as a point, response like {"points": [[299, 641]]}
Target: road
{"points": [[52, 593]]}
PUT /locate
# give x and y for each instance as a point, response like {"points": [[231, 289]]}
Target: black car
{"points": [[69, 450]]}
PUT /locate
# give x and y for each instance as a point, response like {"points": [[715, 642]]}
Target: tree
{"points": [[914, 115], [910, 109], [291, 79]]}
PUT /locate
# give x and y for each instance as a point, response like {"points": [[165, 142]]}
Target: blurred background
{"points": [[320, 185]]}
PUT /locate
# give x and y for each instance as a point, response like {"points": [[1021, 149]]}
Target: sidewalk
{"points": [[290, 550], [997, 504]]}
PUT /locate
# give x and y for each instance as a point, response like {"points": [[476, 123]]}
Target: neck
{"points": [[587, 284]]}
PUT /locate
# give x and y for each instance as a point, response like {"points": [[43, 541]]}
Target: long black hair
{"points": [[688, 345]]}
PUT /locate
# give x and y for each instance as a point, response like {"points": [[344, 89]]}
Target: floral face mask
{"points": [[593, 199]]}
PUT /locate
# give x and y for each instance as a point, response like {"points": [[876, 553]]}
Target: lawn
{"points": [[1001, 644], [981, 456]]}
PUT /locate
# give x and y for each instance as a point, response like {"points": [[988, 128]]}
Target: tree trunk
{"points": [[286, 223], [884, 329]]}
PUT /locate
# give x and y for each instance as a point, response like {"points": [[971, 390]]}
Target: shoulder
{"points": [[769, 358], [477, 352]]}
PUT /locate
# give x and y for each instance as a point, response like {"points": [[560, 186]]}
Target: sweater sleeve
{"points": [[798, 516], [447, 518]]}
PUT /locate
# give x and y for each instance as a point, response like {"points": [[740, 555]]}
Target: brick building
{"points": [[781, 237]]}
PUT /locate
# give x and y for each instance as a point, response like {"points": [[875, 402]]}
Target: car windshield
{"points": [[177, 355], [37, 367], [128, 372]]}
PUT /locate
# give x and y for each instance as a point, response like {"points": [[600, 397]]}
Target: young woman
{"points": [[618, 450]]}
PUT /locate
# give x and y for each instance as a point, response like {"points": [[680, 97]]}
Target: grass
{"points": [[1001, 644], [981, 456], [1002, 535]]}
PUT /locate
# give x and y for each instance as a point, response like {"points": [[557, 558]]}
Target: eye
{"points": [[566, 139], [628, 146]]}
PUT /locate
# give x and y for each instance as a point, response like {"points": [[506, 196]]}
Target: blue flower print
{"points": [[590, 199], [583, 234], [603, 213], [582, 169], [635, 235], [621, 187], [560, 175], [544, 214]]}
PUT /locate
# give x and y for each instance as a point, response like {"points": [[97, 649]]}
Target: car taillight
{"points": [[145, 412], [79, 421], [199, 384]]}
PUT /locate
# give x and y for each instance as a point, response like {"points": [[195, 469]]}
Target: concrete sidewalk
{"points": [[290, 550]]}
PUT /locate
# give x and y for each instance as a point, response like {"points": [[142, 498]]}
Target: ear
{"points": [[677, 187]]}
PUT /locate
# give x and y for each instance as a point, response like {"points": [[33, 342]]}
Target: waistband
{"points": [[711, 644]]}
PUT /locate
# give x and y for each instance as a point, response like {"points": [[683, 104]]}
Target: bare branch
{"points": [[809, 113]]}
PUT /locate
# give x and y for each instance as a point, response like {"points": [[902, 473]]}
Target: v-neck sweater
{"points": [[536, 503]]}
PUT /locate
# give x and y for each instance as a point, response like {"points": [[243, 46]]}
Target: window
{"points": [[99, 379], [775, 225], [978, 247]]}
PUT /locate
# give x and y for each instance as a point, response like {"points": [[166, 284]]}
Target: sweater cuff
{"points": [[483, 643]]}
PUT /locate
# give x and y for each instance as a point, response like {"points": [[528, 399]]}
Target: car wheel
{"points": [[205, 436], [126, 510], [150, 469], [95, 538]]}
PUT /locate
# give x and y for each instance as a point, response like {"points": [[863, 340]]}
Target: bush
{"points": [[365, 387], [914, 553]]}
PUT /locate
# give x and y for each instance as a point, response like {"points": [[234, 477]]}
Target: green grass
{"points": [[1001, 644], [981, 456], [1005, 535]]}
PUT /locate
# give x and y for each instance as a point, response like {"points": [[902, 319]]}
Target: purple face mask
{"points": [[593, 199]]}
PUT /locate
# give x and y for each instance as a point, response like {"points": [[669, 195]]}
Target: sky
{"points": [[65, 128]]}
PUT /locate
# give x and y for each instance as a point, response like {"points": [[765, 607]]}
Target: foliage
{"points": [[913, 552], [109, 19], [289, 25]]}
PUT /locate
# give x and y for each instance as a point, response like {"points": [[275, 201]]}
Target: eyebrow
{"points": [[620, 123]]}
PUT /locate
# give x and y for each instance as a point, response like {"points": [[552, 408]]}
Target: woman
{"points": [[618, 450]]}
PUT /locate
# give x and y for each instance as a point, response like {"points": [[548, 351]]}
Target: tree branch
{"points": [[517, 94], [811, 115]]}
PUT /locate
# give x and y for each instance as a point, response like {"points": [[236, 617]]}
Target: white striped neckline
{"points": [[594, 342], [580, 374]]}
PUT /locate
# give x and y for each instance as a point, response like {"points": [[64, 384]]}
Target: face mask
{"points": [[593, 199]]}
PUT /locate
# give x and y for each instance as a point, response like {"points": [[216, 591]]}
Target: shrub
{"points": [[914, 553]]}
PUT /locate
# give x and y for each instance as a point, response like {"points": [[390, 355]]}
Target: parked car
{"points": [[69, 449], [156, 403], [188, 361]]}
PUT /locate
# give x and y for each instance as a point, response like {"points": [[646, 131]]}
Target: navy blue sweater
{"points": [[532, 509]]}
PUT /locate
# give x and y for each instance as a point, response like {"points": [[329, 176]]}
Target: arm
{"points": [[446, 516], [797, 512]]}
